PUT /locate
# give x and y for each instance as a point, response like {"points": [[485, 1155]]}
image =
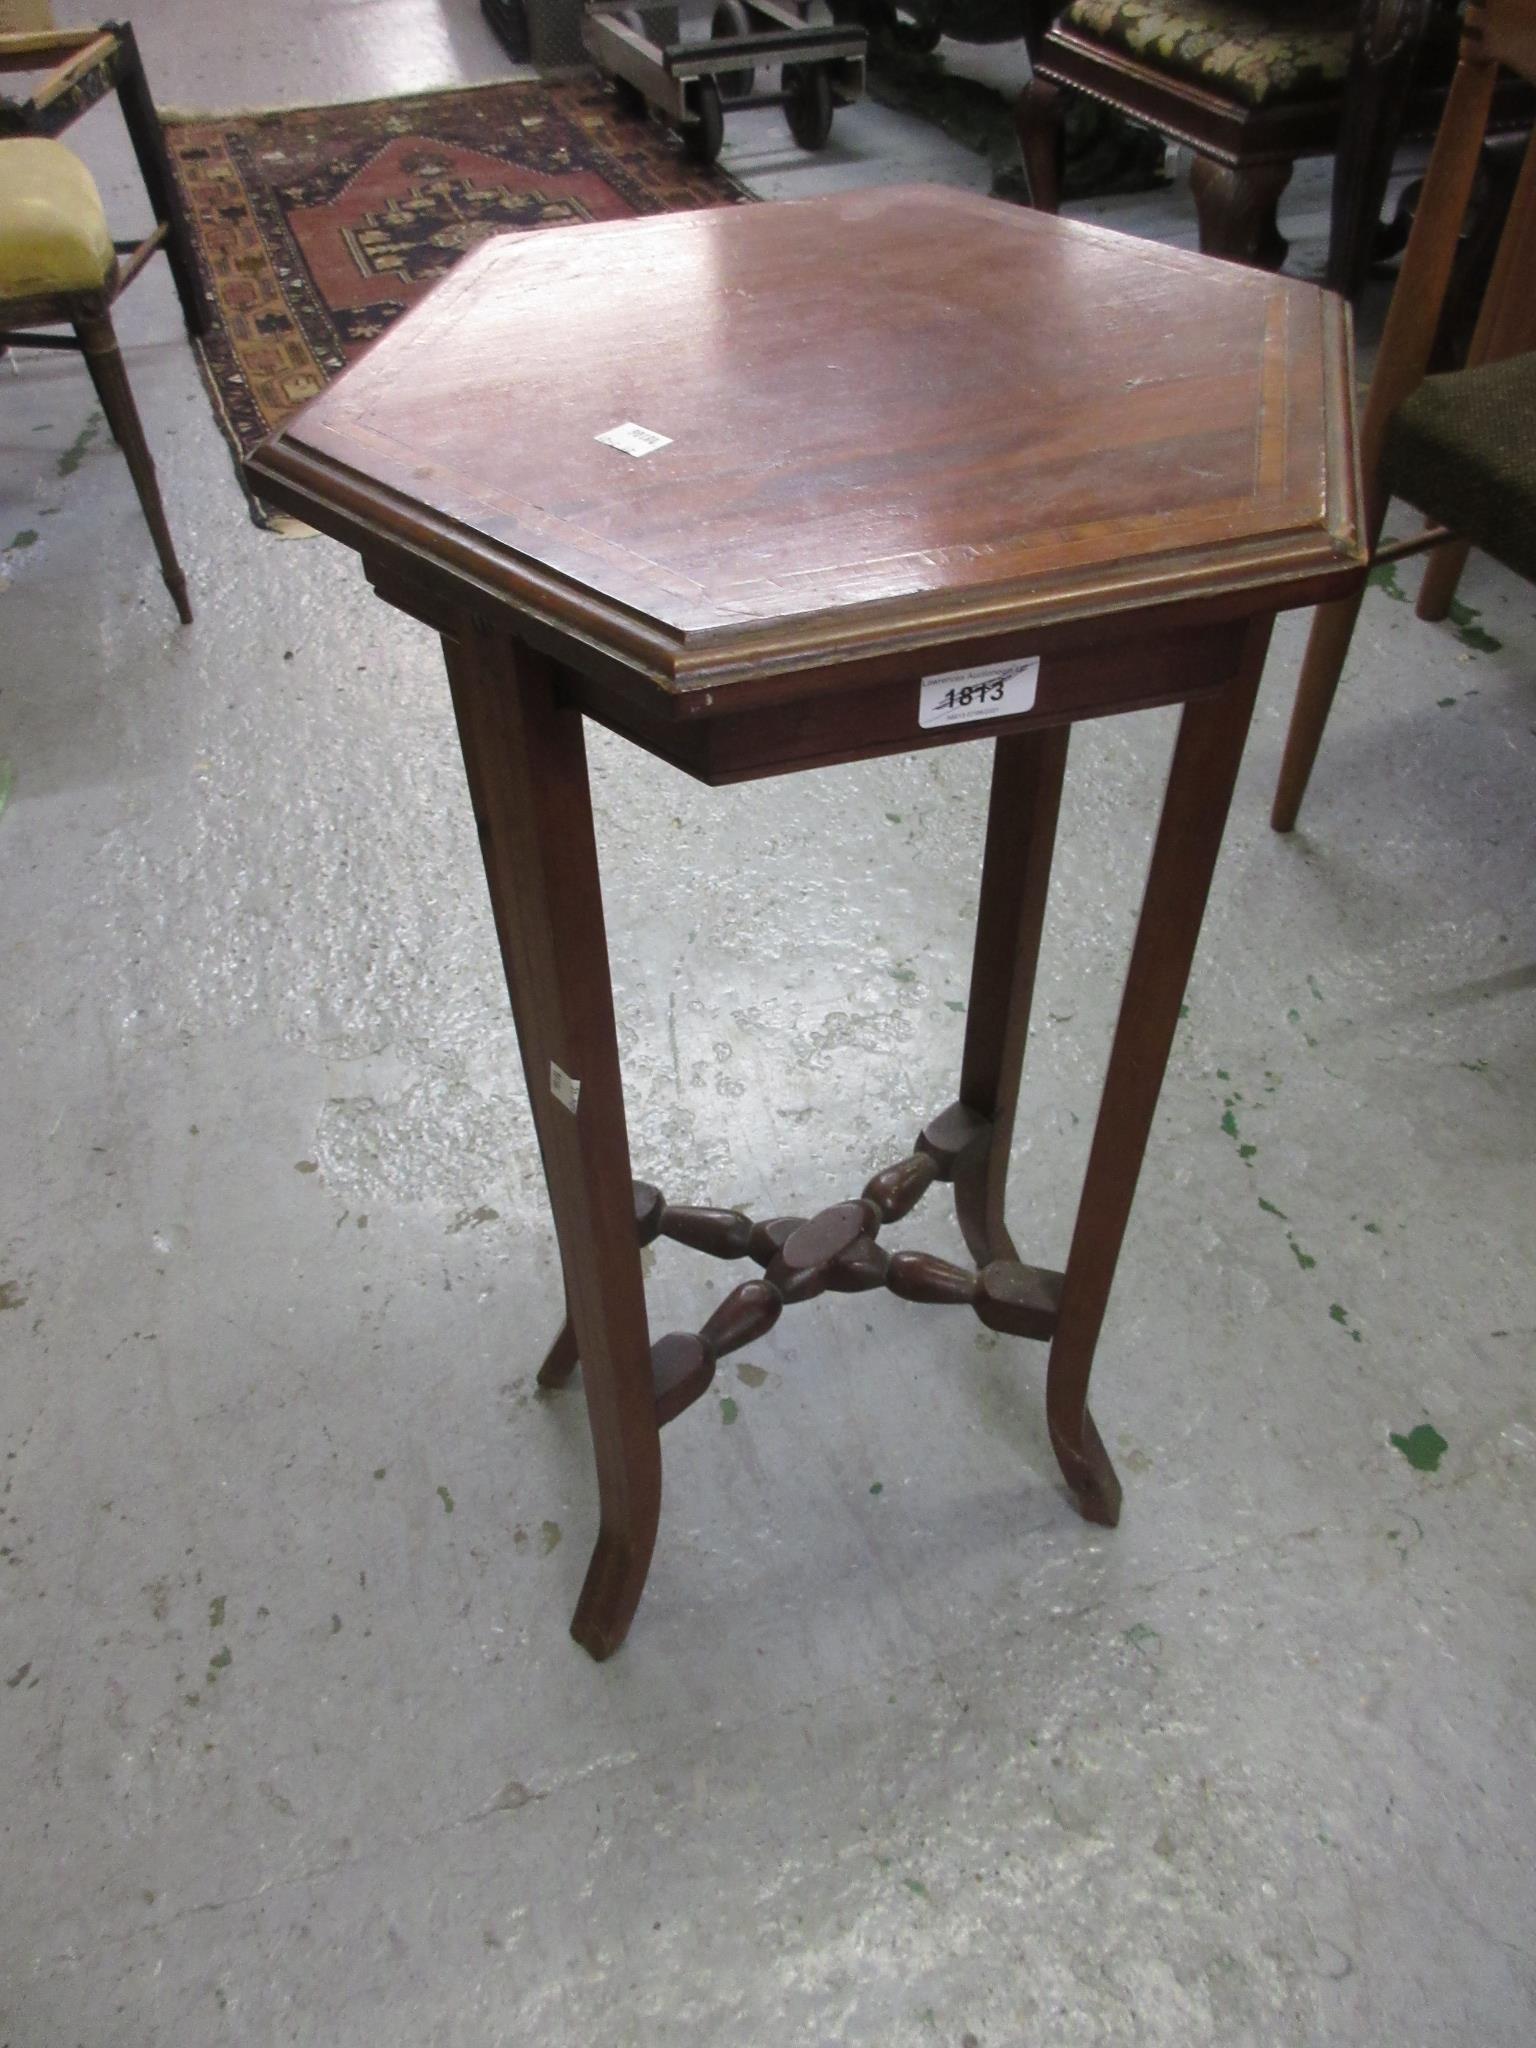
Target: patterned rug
{"points": [[316, 227]]}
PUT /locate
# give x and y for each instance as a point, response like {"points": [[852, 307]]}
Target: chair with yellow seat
{"points": [[58, 267]]}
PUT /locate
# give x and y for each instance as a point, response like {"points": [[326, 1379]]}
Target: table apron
{"points": [[862, 721]]}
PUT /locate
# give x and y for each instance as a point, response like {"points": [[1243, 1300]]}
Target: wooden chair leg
{"points": [[104, 398], [1442, 573], [1387, 40], [104, 359], [1038, 118], [142, 121], [1327, 647], [1237, 206]]}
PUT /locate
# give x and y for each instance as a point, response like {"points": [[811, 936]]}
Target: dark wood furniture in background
{"points": [[80, 66], [1460, 447], [1002, 441], [1382, 59]]}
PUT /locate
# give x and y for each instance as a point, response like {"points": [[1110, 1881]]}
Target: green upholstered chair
{"points": [[58, 267], [1250, 89], [1460, 447]]}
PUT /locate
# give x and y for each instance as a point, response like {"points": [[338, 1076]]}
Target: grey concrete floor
{"points": [[295, 1746]]}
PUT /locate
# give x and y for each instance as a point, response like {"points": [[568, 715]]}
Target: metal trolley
{"points": [[691, 82]]}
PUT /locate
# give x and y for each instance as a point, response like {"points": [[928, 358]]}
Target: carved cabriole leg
{"points": [[1027, 771], [526, 763], [1038, 118], [1237, 207], [1205, 761]]}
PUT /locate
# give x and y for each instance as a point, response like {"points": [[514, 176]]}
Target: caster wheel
{"points": [[808, 110], [730, 19], [702, 138]]}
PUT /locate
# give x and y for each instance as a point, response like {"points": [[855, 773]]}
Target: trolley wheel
{"points": [[730, 19], [808, 109], [702, 137], [630, 98]]}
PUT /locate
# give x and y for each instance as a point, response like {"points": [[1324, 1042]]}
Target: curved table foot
{"points": [[614, 1582], [1086, 1468]]}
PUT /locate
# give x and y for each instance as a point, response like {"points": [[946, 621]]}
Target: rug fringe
{"points": [[516, 74]]}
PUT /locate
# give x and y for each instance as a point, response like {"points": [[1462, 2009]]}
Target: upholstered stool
{"points": [[58, 266], [1250, 89], [1260, 56]]}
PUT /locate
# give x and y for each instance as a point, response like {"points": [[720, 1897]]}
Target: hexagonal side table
{"points": [[777, 486]]}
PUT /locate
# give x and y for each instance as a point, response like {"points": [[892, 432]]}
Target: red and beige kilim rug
{"points": [[317, 226]]}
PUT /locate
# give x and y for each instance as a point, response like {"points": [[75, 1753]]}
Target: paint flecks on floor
{"points": [[216, 1611], [446, 1498], [549, 1535], [1423, 1447], [1340, 1314], [467, 1219], [1464, 618], [1246, 1149], [1384, 577], [751, 1375], [728, 1409], [74, 454]]}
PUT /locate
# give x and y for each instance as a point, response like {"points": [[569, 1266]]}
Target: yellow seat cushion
{"points": [[53, 233]]}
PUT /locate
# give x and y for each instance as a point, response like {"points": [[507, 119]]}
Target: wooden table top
{"points": [[893, 419]]}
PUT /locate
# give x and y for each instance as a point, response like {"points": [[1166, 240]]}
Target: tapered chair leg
{"points": [[1442, 573], [104, 359], [148, 139], [1327, 649]]}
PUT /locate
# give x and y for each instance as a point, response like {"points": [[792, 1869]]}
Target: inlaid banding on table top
{"points": [[949, 429], [836, 1250]]}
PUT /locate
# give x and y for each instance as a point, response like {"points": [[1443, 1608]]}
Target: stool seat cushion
{"points": [[1463, 449], [1259, 56], [53, 233]]}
